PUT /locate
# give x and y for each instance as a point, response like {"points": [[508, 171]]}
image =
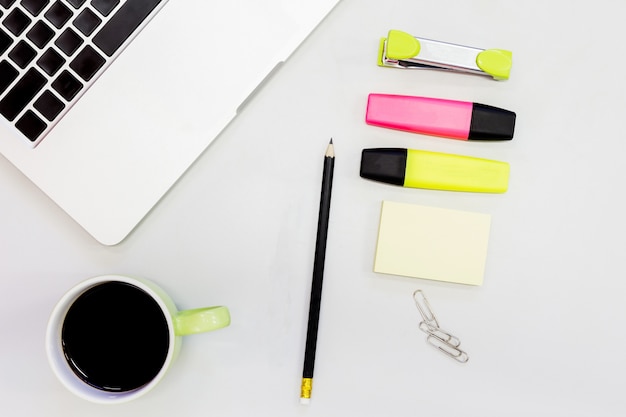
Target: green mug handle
{"points": [[200, 320]]}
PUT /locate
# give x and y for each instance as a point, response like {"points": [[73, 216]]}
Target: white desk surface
{"points": [[545, 333]]}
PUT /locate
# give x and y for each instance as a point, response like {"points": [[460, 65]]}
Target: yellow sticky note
{"points": [[432, 243]]}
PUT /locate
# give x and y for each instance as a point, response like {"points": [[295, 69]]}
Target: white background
{"points": [[545, 333]]}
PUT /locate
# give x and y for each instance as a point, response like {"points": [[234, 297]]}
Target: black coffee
{"points": [[115, 337]]}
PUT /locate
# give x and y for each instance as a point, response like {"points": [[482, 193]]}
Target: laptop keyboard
{"points": [[51, 51]]}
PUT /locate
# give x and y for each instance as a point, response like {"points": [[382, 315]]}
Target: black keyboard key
{"points": [[51, 61], [76, 3], [87, 21], [6, 3], [58, 14], [87, 63], [40, 34], [49, 105], [67, 85], [8, 74], [31, 125], [5, 41], [122, 24], [16, 22], [21, 94], [68, 41], [22, 54], [34, 7], [104, 6]]}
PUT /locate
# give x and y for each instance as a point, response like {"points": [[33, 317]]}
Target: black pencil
{"points": [[318, 274]]}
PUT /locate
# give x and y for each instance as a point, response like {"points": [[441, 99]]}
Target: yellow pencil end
{"points": [[305, 390]]}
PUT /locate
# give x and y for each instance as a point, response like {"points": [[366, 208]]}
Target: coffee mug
{"points": [[112, 338]]}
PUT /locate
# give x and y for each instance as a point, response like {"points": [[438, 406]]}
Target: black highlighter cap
{"points": [[491, 123], [384, 164]]}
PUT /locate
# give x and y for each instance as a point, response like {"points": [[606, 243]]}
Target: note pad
{"points": [[432, 243]]}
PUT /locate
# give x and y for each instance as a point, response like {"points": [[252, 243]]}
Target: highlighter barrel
{"points": [[440, 117], [434, 170]]}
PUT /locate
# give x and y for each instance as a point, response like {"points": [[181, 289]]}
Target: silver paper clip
{"points": [[442, 340], [440, 334], [402, 50], [453, 351], [424, 308]]}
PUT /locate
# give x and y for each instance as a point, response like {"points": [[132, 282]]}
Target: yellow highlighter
{"points": [[434, 170]]}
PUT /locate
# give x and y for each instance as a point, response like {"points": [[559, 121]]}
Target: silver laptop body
{"points": [[105, 124]]}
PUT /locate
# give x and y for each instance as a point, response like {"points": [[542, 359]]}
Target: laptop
{"points": [[104, 104]]}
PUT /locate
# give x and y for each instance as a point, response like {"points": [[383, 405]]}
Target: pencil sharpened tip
{"points": [[331, 141], [305, 401], [330, 150]]}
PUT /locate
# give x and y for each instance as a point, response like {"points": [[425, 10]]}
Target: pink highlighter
{"points": [[440, 117]]}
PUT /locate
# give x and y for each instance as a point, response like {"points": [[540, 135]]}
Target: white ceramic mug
{"points": [[178, 324]]}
